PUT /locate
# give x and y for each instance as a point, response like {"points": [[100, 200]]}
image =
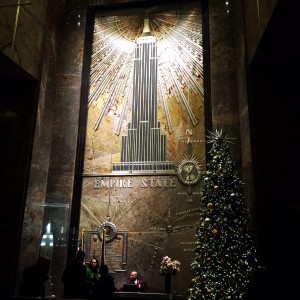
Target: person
{"points": [[105, 286], [34, 278], [74, 278], [141, 285], [92, 274]]}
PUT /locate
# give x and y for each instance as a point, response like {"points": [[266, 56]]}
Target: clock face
{"points": [[189, 172]]}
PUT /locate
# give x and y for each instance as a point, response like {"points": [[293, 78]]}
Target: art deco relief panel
{"points": [[145, 141]]}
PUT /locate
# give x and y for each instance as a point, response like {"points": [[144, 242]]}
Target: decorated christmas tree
{"points": [[225, 254]]}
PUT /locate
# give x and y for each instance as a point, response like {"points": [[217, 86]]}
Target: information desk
{"points": [[117, 295], [150, 296]]}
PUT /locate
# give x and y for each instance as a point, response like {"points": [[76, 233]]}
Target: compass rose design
{"points": [[189, 170]]}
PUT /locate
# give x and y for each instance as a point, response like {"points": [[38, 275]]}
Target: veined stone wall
{"points": [[50, 186], [48, 43]]}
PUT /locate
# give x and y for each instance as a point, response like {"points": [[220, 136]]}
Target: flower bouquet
{"points": [[169, 266]]}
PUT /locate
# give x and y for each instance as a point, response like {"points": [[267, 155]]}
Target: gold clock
{"points": [[189, 172]]}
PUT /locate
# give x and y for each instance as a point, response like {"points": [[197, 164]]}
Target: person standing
{"points": [[74, 278], [34, 278]]}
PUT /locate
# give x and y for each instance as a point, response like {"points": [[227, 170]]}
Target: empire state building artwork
{"points": [[145, 116], [146, 93], [144, 148]]}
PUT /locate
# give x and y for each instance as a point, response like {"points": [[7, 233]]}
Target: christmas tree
{"points": [[225, 254]]}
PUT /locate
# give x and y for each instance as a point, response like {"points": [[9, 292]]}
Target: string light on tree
{"points": [[225, 254]]}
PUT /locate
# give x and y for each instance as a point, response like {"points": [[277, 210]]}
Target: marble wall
{"points": [[49, 44], [251, 19], [51, 181]]}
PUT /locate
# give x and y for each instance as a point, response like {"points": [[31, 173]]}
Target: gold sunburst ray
{"points": [[190, 158]]}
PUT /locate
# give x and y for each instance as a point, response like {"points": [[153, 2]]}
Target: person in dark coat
{"points": [[141, 284], [34, 278], [74, 278], [105, 286]]}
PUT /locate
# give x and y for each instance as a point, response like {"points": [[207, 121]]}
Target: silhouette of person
{"points": [[74, 278], [34, 278], [105, 286]]}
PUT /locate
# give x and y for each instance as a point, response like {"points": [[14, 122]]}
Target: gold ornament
{"points": [[216, 187], [210, 205], [215, 232]]}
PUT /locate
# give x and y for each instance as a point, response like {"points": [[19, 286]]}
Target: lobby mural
{"points": [[145, 143]]}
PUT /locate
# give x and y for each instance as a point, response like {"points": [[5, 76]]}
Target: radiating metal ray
{"points": [[179, 37]]}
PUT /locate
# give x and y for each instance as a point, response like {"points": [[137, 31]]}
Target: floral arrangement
{"points": [[169, 266]]}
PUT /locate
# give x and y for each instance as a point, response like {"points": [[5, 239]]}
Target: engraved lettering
{"points": [[122, 183], [97, 184], [113, 183], [173, 182], [152, 180], [104, 184], [158, 183], [144, 183], [130, 183], [110, 183], [165, 181], [189, 132]]}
